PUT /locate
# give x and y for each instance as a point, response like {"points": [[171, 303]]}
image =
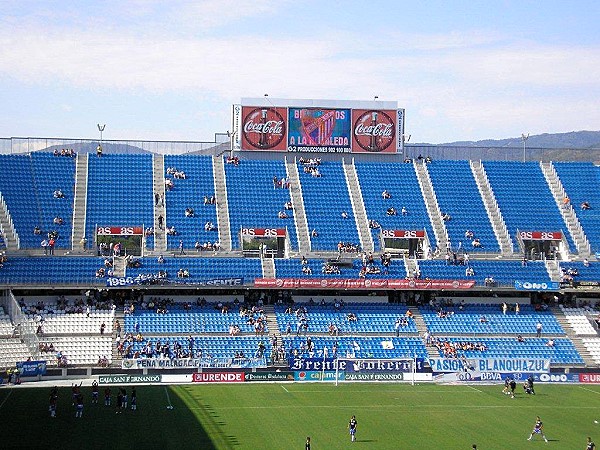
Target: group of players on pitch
{"points": [[122, 399], [510, 385]]}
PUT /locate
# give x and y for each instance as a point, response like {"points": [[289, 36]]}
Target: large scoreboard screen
{"points": [[325, 126]]}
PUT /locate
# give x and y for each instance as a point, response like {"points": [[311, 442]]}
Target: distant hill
{"points": [[573, 139]]}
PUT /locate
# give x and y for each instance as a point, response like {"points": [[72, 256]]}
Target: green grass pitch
{"points": [[280, 416]]}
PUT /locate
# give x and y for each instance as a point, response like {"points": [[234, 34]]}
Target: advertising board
{"points": [[319, 130]]}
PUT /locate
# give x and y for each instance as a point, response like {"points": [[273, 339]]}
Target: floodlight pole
{"points": [[524, 137]]}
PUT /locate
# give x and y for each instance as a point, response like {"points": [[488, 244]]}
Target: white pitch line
{"points": [[168, 398], [402, 407], [474, 388], [284, 388], [4, 401], [589, 390]]}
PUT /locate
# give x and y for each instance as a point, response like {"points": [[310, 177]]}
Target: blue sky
{"points": [[463, 70]]}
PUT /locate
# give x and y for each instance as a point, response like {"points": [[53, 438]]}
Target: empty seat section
{"points": [[325, 198], [469, 321], [52, 173], [119, 192], [254, 201], [524, 198], [189, 193], [457, 195], [400, 180], [580, 180]]}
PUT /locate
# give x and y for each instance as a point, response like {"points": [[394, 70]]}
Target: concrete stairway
{"points": [[422, 329], [80, 204], [268, 267], [358, 206], [304, 246], [7, 227], [222, 204], [576, 339], [273, 327], [553, 269], [160, 209], [119, 266], [491, 206], [433, 209], [116, 358], [411, 266], [568, 213]]}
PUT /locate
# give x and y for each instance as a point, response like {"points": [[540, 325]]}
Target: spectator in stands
{"points": [[99, 151], [314, 233], [566, 202], [51, 244], [476, 243], [344, 215], [189, 212], [58, 194], [585, 206], [102, 328], [391, 211], [161, 221], [209, 226], [282, 215], [386, 195], [37, 231], [173, 232], [374, 224], [44, 245], [58, 220], [306, 270], [169, 184], [288, 205], [483, 319], [538, 329], [404, 211], [469, 234], [83, 243], [524, 261], [160, 259], [469, 272], [446, 217]]}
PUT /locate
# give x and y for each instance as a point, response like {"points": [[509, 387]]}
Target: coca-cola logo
{"points": [[264, 128], [374, 131]]}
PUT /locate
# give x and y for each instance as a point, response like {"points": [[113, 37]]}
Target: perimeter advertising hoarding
{"points": [[264, 128], [509, 365], [319, 130], [332, 283]]}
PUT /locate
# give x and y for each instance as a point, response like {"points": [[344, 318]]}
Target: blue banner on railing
{"points": [[357, 365], [155, 279], [537, 285], [32, 368], [509, 365]]}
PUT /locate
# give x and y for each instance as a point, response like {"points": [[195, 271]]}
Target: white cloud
{"points": [[467, 83]]}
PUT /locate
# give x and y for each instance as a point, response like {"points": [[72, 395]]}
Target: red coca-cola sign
{"points": [[373, 131], [264, 128]]}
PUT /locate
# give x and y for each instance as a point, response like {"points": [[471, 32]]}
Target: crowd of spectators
{"points": [[69, 152]]}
